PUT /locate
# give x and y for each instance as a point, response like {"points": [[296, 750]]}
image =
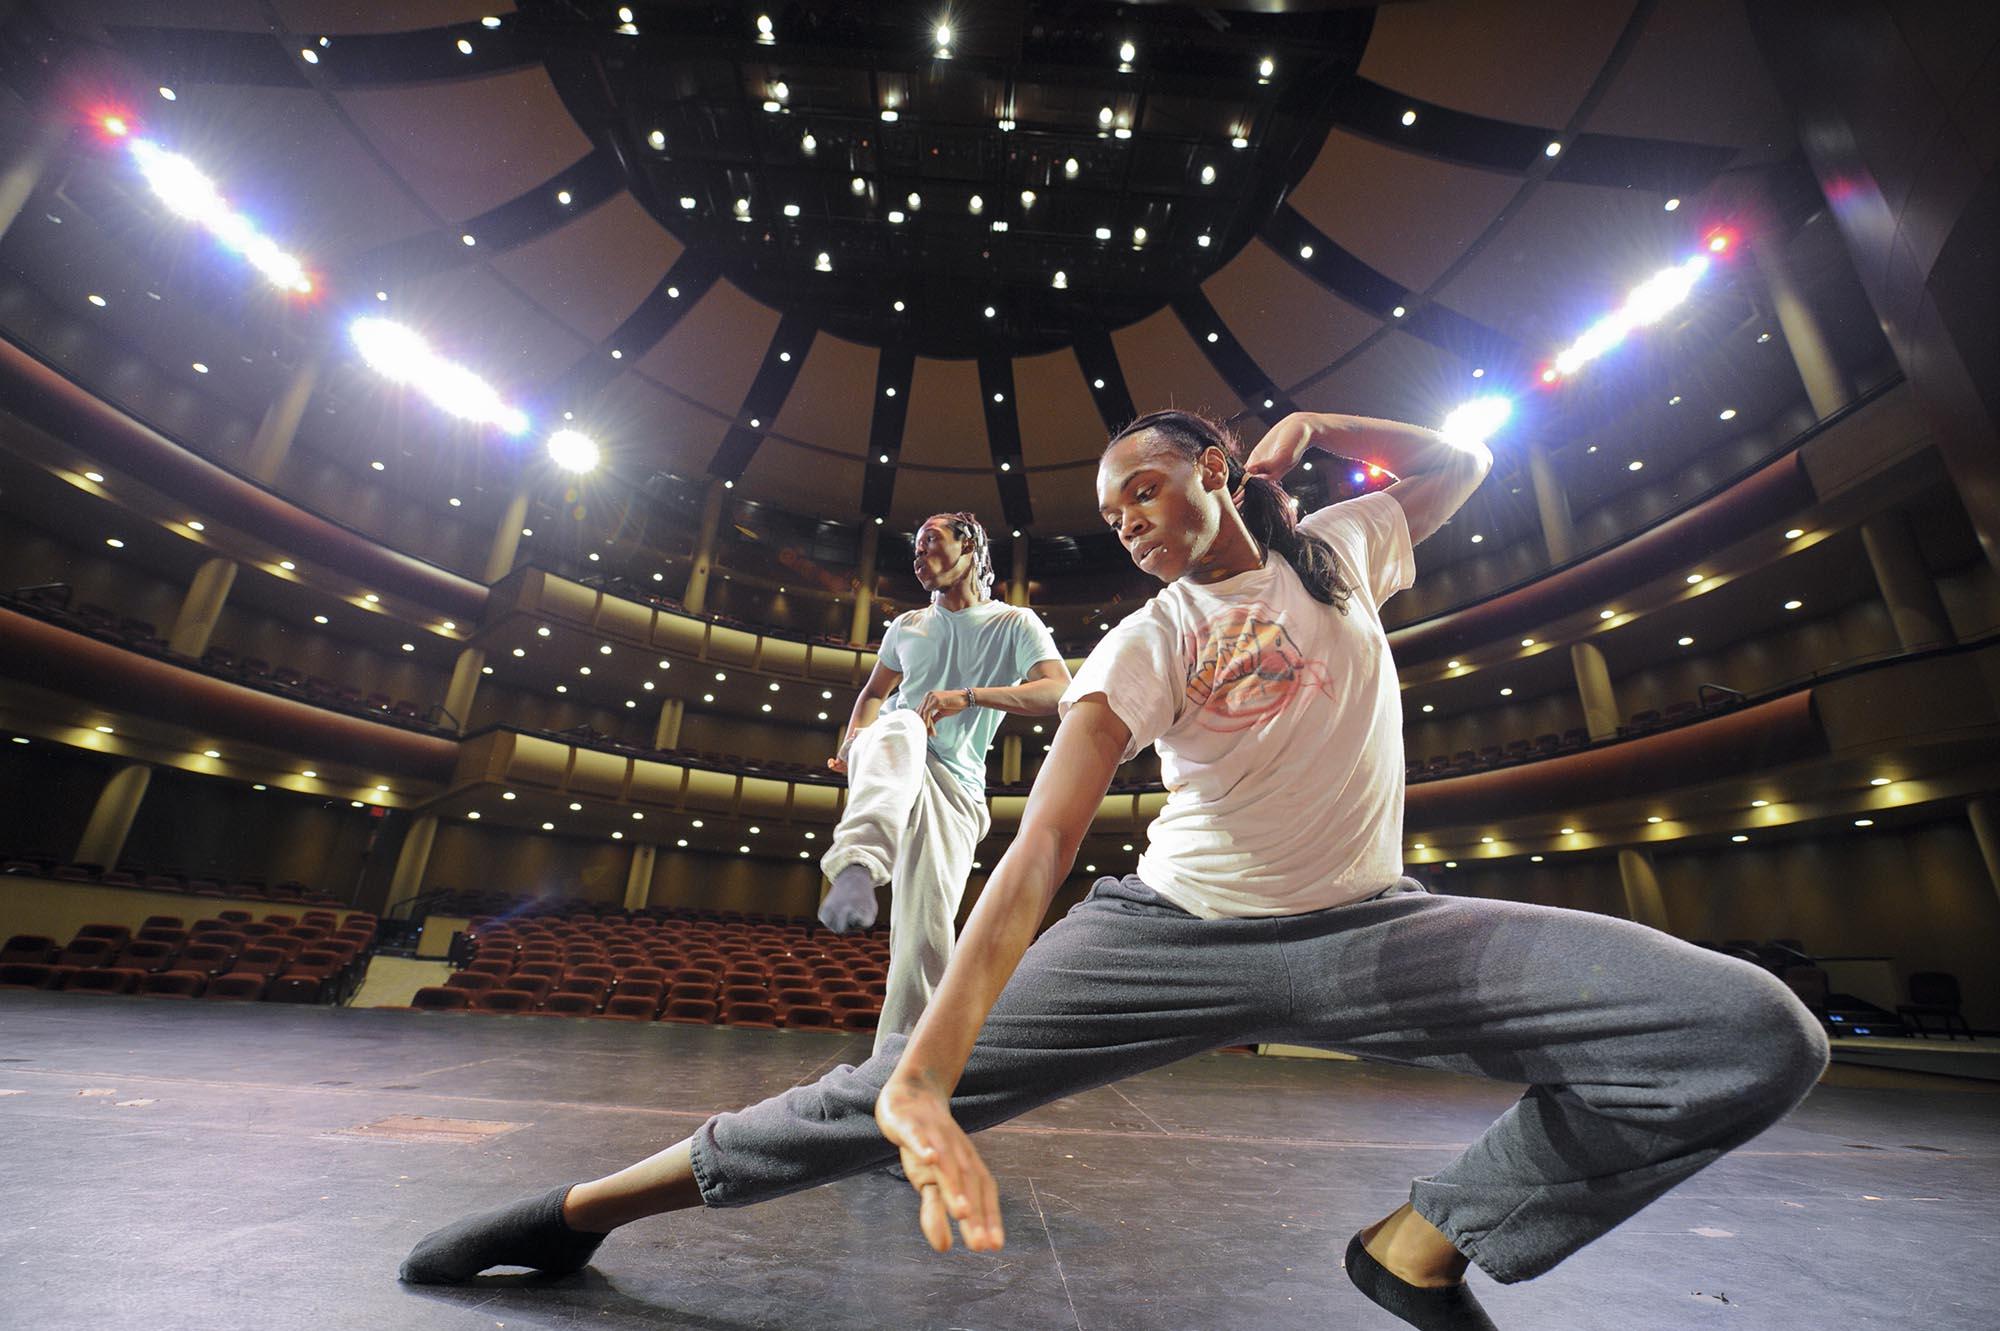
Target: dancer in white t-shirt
{"points": [[1270, 906]]}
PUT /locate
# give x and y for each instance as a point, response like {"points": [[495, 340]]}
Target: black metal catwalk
{"points": [[221, 1165]]}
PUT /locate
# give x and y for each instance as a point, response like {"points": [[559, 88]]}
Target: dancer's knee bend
{"points": [[1774, 1045]]}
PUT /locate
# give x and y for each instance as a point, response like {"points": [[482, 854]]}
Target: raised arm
{"points": [[1435, 476], [914, 1109]]}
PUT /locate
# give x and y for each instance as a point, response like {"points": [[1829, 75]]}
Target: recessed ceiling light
{"points": [[200, 368], [465, 47], [95, 477], [97, 300], [1398, 312], [1739, 837], [467, 239], [1795, 533], [409, 646], [1429, 707], [319, 619], [309, 774], [507, 795], [1864, 822], [1635, 465], [1409, 117], [604, 650], [1654, 819], [1070, 167], [378, 466], [1606, 614], [114, 543], [1671, 204], [1569, 831], [1555, 146], [372, 599], [1879, 781], [310, 56], [1693, 578], [1507, 693], [563, 197], [1726, 414], [1793, 605], [1477, 537], [1265, 68], [1685, 642], [1759, 804]]}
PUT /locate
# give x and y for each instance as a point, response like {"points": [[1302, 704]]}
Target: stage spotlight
{"points": [[1645, 304], [572, 450], [1477, 420], [402, 356], [190, 194]]}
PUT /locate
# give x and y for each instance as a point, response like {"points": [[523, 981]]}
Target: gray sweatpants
{"points": [[1646, 1058]]}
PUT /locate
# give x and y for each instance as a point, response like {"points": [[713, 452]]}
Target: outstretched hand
{"points": [[942, 1166]]}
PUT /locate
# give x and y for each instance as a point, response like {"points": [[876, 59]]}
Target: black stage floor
{"points": [[205, 1165]]}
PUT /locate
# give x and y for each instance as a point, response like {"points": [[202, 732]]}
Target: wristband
{"points": [[969, 702]]}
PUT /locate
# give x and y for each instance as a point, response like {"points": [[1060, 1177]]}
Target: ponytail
{"points": [[1268, 512]]}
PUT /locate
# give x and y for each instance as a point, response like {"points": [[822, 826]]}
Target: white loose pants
{"points": [[915, 826]]}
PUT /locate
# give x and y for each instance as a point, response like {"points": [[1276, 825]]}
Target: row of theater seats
{"points": [[487, 906], [52, 603], [291, 892], [1550, 745], [311, 958], [690, 972]]}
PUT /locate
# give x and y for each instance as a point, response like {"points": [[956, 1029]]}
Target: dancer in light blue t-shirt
{"points": [[915, 757]]}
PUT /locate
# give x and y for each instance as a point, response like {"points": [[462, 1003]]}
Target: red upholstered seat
{"points": [[174, 984], [242, 986], [570, 1004], [690, 1012], [103, 980], [441, 998], [507, 1001]]}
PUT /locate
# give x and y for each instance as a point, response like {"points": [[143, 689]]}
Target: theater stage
{"points": [[222, 1166]]}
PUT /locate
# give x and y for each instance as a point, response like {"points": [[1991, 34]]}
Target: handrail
{"points": [[1800, 440], [42, 395]]}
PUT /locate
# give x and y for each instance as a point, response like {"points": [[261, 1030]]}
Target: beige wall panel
{"points": [[713, 353], [1525, 60], [1163, 368], [592, 272], [1405, 215], [467, 145]]}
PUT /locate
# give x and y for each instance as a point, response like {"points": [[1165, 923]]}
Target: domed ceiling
{"points": [[862, 267]]}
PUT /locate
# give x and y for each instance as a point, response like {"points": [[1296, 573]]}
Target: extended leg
{"points": [[885, 774], [1646, 1058]]}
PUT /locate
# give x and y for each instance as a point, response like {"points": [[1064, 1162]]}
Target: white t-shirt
{"points": [[1277, 722]]}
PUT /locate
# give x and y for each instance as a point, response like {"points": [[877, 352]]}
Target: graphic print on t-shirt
{"points": [[1244, 668]]}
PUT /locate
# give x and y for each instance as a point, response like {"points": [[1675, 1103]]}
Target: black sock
{"points": [[850, 906], [530, 1232], [1448, 1308]]}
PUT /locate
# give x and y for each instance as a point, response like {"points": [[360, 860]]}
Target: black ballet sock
{"points": [[1448, 1308], [530, 1232], [850, 906]]}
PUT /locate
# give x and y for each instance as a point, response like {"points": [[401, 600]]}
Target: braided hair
{"points": [[1268, 512], [970, 534]]}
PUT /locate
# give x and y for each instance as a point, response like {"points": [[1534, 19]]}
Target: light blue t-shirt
{"points": [[989, 645]]}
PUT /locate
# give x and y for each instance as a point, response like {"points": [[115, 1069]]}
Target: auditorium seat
{"points": [[570, 1003], [144, 955], [296, 987], [206, 958], [507, 1001], [88, 953], [103, 980], [441, 998], [27, 975], [117, 933], [536, 987], [756, 1015], [473, 982], [808, 1016], [689, 1012], [587, 986], [860, 1018], [36, 948], [631, 1007], [243, 986], [173, 984]]}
